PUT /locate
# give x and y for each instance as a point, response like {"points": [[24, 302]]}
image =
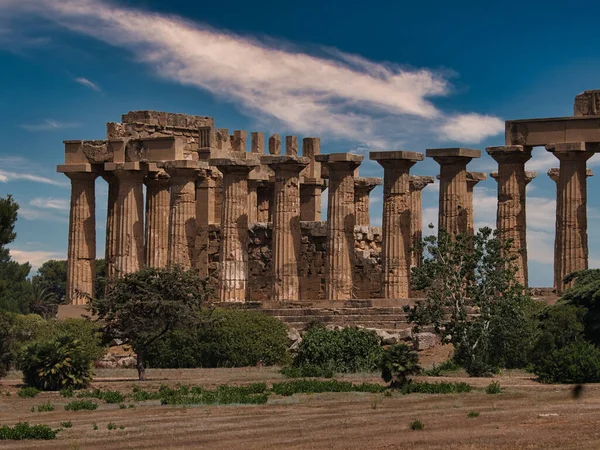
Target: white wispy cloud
{"points": [[6, 177], [61, 204], [48, 125], [17, 168], [38, 214], [332, 93], [35, 258], [87, 83]]}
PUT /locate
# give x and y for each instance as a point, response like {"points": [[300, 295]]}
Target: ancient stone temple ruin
{"points": [[181, 191]]}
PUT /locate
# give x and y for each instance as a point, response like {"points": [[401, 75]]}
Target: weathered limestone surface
{"points": [[81, 262], [182, 222], [571, 241], [587, 103], [417, 183], [453, 206], [264, 201], [311, 183], [110, 249], [205, 216], [511, 218], [362, 189], [157, 217], [340, 221], [275, 145], [129, 256], [286, 225], [291, 145], [233, 265], [396, 220], [472, 179]]}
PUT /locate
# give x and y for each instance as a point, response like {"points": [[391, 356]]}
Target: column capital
{"points": [[572, 151], [184, 168], [237, 164], [455, 155], [291, 163], [337, 161], [419, 182], [366, 183], [396, 158], [157, 178], [79, 171], [475, 177], [529, 176], [554, 172], [509, 153]]}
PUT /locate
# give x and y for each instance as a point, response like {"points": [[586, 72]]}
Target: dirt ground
{"points": [[527, 415]]}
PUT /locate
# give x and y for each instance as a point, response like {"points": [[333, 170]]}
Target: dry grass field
{"points": [[527, 415]]}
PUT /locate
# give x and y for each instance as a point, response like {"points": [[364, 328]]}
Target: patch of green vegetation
{"points": [[140, 395], [23, 430], [28, 392], [435, 388], [473, 414], [184, 395], [107, 396], [67, 392], [67, 424], [122, 406], [111, 426], [437, 371], [416, 425], [287, 388], [81, 405], [493, 388], [45, 407], [95, 426]]}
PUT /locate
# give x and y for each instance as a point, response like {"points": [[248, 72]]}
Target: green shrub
{"points": [[23, 430], [344, 351], [288, 388], [67, 424], [437, 371], [45, 407], [67, 392], [6, 343], [95, 426], [578, 362], [223, 395], [81, 405], [585, 293], [435, 388], [223, 338], [57, 363], [399, 362], [416, 425], [107, 396], [111, 426], [493, 388], [472, 414], [140, 395], [306, 371], [28, 392]]}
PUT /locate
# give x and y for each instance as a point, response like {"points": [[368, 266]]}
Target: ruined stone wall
{"points": [[144, 124], [312, 260]]}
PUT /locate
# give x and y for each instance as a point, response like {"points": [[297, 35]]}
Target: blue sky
{"points": [[382, 75]]}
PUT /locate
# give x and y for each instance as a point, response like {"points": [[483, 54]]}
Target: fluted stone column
{"points": [[158, 199], [129, 255], [286, 225], [362, 189], [511, 219], [340, 223], [253, 200], [182, 219], [571, 241], [453, 206], [311, 184], [417, 183], [233, 256], [81, 261], [110, 248], [396, 226], [264, 200], [472, 179], [205, 211]]}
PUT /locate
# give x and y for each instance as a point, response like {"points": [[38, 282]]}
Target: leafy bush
{"points": [[344, 351], [253, 394], [81, 405], [6, 344], [28, 392], [111, 426], [435, 388], [222, 338], [578, 362], [57, 363], [306, 371], [436, 371], [45, 407], [287, 388], [416, 425], [140, 395], [398, 363], [23, 430], [67, 392], [585, 293], [67, 424], [107, 396], [493, 388]]}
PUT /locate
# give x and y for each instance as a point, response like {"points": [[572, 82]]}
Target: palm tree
{"points": [[43, 302]]}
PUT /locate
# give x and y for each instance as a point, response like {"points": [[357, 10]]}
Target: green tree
{"points": [[141, 307], [43, 302], [398, 363], [465, 274], [6, 343], [585, 293], [52, 277]]}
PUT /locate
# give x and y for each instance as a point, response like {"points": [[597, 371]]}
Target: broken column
{"points": [[182, 222], [233, 256], [286, 225], [312, 184], [81, 260], [396, 226], [472, 179], [129, 255], [571, 241], [417, 183], [511, 220], [158, 200], [453, 204], [340, 223], [362, 189]]}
